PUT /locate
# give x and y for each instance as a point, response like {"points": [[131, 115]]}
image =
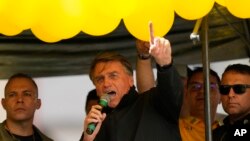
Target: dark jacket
{"points": [[233, 132], [5, 136], [152, 116]]}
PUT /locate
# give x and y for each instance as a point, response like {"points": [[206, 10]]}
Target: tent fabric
{"points": [[228, 39]]}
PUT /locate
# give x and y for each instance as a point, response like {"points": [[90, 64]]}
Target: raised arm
{"points": [[168, 98], [144, 72]]}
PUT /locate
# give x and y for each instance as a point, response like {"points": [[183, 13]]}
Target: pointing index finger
{"points": [[151, 32]]}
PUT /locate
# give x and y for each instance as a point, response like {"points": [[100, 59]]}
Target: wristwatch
{"points": [[143, 56]]}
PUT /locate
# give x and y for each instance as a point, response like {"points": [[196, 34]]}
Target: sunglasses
{"points": [[238, 88]]}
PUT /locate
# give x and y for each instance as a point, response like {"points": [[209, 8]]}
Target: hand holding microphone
{"points": [[103, 103]]}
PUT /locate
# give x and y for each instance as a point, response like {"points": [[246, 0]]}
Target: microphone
{"points": [[103, 102]]}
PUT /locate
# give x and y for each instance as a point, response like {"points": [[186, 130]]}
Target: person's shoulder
{"points": [[42, 135], [46, 138], [219, 128], [147, 94], [2, 125], [4, 136]]}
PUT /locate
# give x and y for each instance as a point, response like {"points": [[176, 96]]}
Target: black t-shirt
{"points": [[33, 137]]}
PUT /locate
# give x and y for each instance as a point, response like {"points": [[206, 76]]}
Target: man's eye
{"points": [[113, 75], [195, 86], [213, 86], [99, 80], [11, 94], [27, 94]]}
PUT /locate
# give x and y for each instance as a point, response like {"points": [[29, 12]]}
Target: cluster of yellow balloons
{"points": [[55, 20], [196, 9]]}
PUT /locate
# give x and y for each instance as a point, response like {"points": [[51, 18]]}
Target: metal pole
{"points": [[206, 74]]}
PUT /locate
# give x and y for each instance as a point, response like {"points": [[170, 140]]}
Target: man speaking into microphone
{"points": [[152, 116]]}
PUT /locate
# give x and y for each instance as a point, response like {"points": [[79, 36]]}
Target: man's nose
{"points": [[107, 82], [231, 92], [20, 99]]}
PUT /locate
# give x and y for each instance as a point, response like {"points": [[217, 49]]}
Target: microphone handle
{"points": [[91, 127]]}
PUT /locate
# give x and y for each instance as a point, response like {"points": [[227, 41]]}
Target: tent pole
{"points": [[206, 66]]}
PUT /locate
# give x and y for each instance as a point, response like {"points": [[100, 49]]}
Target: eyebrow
{"points": [[194, 82], [112, 72]]}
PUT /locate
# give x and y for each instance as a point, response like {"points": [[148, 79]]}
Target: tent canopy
{"points": [[228, 39]]}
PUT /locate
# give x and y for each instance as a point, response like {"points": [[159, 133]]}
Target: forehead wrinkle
{"points": [[102, 66], [212, 80]]}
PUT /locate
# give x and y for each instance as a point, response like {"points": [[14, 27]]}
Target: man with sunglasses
{"points": [[235, 97]]}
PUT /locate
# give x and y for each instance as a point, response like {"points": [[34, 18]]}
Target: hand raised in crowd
{"points": [[160, 48]]}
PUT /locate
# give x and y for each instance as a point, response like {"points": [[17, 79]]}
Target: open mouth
{"points": [[111, 93]]}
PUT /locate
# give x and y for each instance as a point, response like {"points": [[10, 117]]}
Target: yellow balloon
{"points": [[2, 4], [22, 13], [239, 8], [95, 22], [43, 36], [160, 12], [60, 18], [7, 28], [193, 9], [117, 8], [221, 2]]}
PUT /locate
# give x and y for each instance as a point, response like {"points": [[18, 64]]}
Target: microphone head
{"points": [[104, 100]]}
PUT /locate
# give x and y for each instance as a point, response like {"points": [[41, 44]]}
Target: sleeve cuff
{"points": [[165, 67]]}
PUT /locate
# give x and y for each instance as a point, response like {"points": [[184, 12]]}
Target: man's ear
{"points": [[3, 103], [38, 103]]}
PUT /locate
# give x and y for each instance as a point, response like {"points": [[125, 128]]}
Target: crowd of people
{"points": [[170, 107]]}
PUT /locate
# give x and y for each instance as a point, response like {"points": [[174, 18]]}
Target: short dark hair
{"points": [[190, 73], [92, 95], [21, 75], [239, 68], [110, 56]]}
